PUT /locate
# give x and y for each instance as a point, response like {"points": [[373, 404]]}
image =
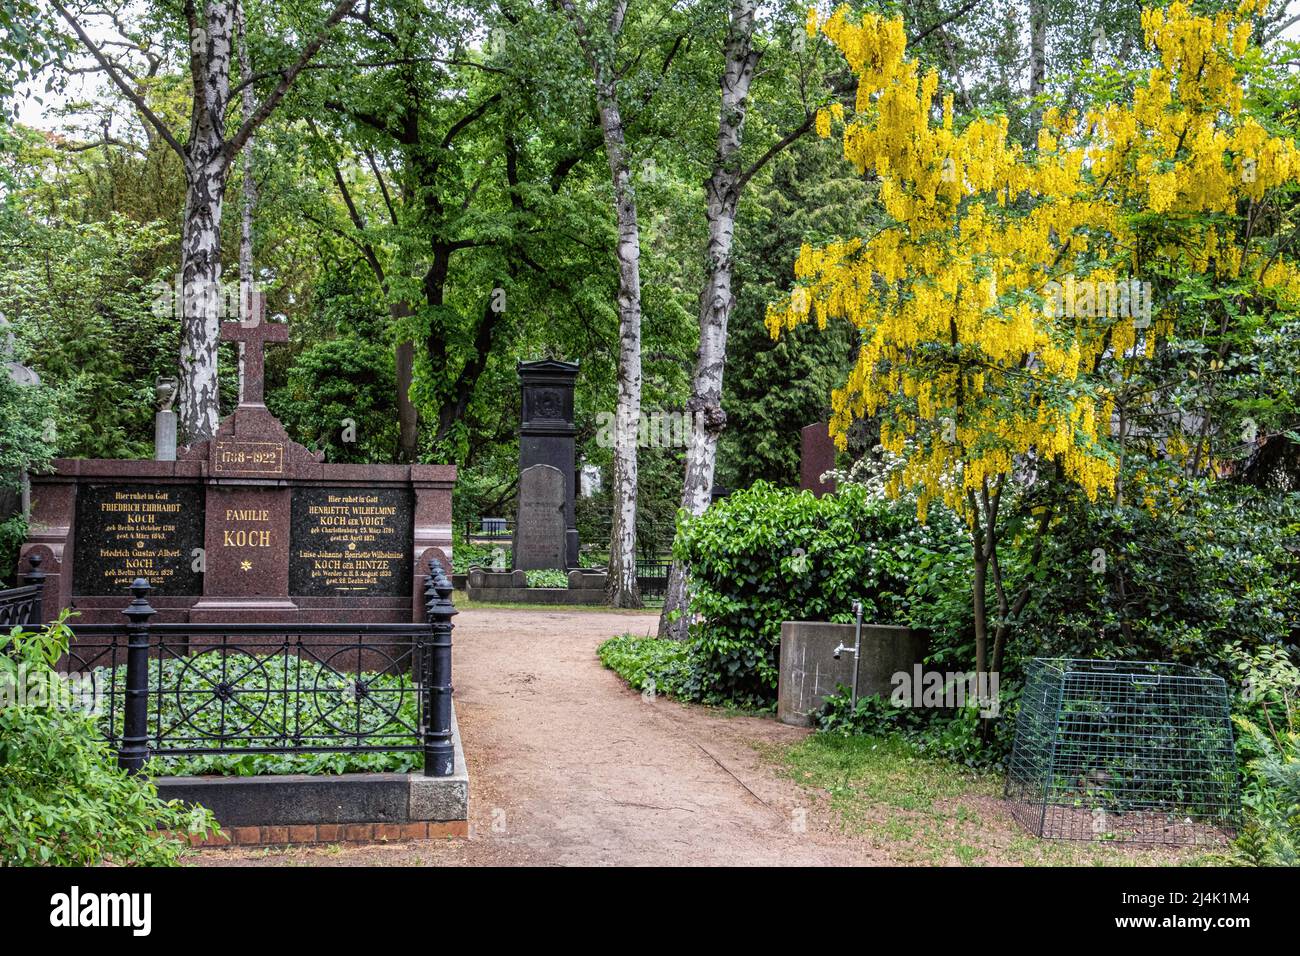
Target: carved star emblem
{"points": [[245, 565], [352, 546]]}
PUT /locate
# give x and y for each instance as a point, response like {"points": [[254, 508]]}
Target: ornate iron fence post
{"points": [[439, 754], [35, 577], [135, 721]]}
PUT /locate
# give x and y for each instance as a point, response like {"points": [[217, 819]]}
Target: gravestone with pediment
{"points": [[248, 526], [546, 437]]}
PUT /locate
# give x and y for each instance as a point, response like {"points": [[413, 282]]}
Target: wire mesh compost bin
{"points": [[1125, 751]]}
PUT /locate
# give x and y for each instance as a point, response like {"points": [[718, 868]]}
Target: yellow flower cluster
{"points": [[975, 347]]}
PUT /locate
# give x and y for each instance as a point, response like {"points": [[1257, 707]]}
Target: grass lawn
{"points": [[922, 810]]}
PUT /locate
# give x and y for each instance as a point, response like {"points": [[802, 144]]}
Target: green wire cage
{"points": [[1124, 751]]}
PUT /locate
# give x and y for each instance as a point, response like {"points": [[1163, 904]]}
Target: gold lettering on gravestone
{"points": [[248, 457], [346, 536], [138, 531], [254, 538]]}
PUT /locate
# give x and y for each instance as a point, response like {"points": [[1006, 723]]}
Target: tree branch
{"points": [[137, 100], [963, 9], [268, 105]]}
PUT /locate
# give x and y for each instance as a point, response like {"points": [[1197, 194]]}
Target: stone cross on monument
{"points": [[255, 333]]}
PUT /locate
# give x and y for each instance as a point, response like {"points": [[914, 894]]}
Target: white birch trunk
{"points": [[622, 590], [722, 193], [1037, 62], [207, 168], [207, 156], [248, 104]]}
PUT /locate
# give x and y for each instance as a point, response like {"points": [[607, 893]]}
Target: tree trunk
{"points": [[722, 193], [207, 156], [408, 417], [622, 590], [1037, 63], [248, 105], [207, 167], [201, 282]]}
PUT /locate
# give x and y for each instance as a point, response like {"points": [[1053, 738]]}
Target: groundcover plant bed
{"points": [[295, 715]]}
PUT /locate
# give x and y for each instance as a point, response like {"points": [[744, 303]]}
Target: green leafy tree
{"points": [[339, 399]]}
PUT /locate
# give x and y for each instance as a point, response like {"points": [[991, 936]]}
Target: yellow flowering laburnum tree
{"points": [[1004, 301]]}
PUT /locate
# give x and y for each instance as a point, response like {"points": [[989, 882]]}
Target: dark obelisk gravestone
{"points": [[539, 530], [546, 437]]}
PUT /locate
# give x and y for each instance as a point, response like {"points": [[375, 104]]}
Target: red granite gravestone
{"points": [[249, 527], [816, 457]]}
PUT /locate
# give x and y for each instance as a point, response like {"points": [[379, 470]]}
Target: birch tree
{"points": [[597, 50], [208, 155], [722, 193], [248, 100], [723, 190]]}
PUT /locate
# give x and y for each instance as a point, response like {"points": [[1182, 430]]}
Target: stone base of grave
{"points": [[347, 808], [511, 587], [358, 833], [809, 671]]}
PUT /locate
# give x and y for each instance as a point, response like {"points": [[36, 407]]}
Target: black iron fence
{"points": [[652, 577], [197, 689], [21, 606], [491, 529]]}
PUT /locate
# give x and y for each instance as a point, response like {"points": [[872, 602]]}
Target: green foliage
{"points": [[1271, 793], [1267, 715], [26, 43], [27, 428], [63, 800], [13, 532], [958, 734], [1182, 581], [764, 555], [651, 664], [774, 388], [341, 399], [82, 301], [261, 714], [468, 554], [28, 414], [547, 578]]}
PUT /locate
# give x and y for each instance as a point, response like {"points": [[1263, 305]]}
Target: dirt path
{"points": [[570, 766]]}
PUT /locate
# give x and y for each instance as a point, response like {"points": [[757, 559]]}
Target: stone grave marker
{"points": [[539, 530], [816, 457], [546, 437], [248, 526]]}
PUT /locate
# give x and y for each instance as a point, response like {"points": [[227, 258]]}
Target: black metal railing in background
{"points": [[491, 529], [21, 606], [652, 577], [197, 689]]}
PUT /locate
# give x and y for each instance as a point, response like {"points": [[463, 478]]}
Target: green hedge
{"points": [[766, 555]]}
